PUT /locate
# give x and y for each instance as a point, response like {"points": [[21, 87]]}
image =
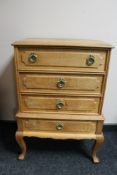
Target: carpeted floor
{"points": [[50, 157]]}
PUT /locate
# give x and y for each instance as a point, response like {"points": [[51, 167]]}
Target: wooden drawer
{"points": [[84, 60], [59, 126], [33, 82], [32, 103]]}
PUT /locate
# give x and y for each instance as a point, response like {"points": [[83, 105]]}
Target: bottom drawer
{"points": [[59, 126]]}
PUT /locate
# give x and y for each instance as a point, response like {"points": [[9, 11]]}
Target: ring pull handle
{"points": [[32, 57], [90, 60], [61, 83], [60, 104], [60, 126]]}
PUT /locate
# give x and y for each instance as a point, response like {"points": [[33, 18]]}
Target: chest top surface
{"points": [[63, 42]]}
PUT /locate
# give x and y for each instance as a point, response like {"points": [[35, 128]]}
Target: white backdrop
{"points": [[87, 19]]}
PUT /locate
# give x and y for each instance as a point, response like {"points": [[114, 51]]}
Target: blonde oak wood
{"points": [[98, 142], [36, 119], [61, 70], [82, 96], [56, 135], [34, 82], [83, 43], [22, 144], [79, 105], [49, 58], [51, 125], [105, 79], [99, 126], [57, 116]]}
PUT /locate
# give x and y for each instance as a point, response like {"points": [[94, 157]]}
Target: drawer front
{"points": [[59, 126], [61, 83], [59, 104], [62, 59]]}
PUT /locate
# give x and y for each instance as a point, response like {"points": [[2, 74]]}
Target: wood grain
{"points": [[82, 95], [63, 43], [58, 116], [51, 125], [34, 82], [53, 59], [98, 143], [79, 105]]}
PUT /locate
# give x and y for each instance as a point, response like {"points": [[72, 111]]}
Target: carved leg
{"points": [[99, 141], [21, 143]]}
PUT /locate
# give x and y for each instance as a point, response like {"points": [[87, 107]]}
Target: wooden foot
{"points": [[21, 143], [99, 141]]}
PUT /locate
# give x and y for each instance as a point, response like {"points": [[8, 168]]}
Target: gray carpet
{"points": [[50, 157]]}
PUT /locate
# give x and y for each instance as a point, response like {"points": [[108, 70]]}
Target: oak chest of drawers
{"points": [[60, 89]]}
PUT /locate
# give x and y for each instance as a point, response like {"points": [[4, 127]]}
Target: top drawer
{"points": [[61, 59]]}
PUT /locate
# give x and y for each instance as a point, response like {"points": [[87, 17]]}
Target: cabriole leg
{"points": [[99, 141], [21, 143]]}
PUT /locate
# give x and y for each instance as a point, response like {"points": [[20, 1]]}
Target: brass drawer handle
{"points": [[32, 58], [59, 126], [60, 104], [90, 60], [61, 83]]}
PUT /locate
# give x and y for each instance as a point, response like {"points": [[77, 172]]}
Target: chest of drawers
{"points": [[60, 90]]}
